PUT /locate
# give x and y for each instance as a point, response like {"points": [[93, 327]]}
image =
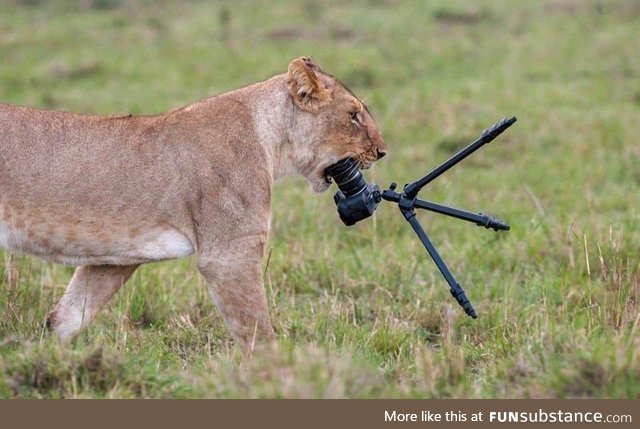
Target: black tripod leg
{"points": [[479, 219], [456, 289]]}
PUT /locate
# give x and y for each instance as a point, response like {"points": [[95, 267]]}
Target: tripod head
{"points": [[357, 200]]}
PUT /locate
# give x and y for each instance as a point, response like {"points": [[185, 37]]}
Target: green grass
{"points": [[363, 312]]}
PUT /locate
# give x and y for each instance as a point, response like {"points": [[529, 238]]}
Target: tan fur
{"points": [[109, 193]]}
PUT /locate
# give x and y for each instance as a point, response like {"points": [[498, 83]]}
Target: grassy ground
{"points": [[363, 312]]}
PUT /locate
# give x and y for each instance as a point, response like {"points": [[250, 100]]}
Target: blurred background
{"points": [[363, 312]]}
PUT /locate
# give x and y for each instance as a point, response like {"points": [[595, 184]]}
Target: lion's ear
{"points": [[306, 88]]}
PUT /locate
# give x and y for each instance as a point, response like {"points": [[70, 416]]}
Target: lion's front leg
{"points": [[234, 274]]}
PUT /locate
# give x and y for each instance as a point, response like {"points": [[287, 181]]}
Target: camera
{"points": [[356, 199]]}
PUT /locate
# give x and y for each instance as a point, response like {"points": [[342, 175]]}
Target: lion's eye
{"points": [[354, 117]]}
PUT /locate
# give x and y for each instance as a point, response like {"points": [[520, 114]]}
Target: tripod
{"points": [[407, 202]]}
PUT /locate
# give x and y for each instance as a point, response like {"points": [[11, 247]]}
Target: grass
{"points": [[363, 312]]}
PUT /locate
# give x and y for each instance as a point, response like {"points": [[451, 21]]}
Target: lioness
{"points": [[107, 194]]}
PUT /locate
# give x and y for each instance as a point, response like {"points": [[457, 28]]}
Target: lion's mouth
{"points": [[360, 161], [363, 163]]}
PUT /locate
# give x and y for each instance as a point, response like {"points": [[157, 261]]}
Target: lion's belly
{"points": [[92, 244]]}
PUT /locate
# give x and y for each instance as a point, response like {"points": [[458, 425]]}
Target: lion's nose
{"points": [[381, 153]]}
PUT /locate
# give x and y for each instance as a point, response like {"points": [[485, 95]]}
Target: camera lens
{"points": [[347, 176]]}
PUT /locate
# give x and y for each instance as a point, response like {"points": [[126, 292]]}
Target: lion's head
{"points": [[330, 122]]}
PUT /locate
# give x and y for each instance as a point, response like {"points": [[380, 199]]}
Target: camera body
{"points": [[357, 207], [356, 199]]}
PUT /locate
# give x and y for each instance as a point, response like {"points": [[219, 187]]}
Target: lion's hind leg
{"points": [[89, 289]]}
